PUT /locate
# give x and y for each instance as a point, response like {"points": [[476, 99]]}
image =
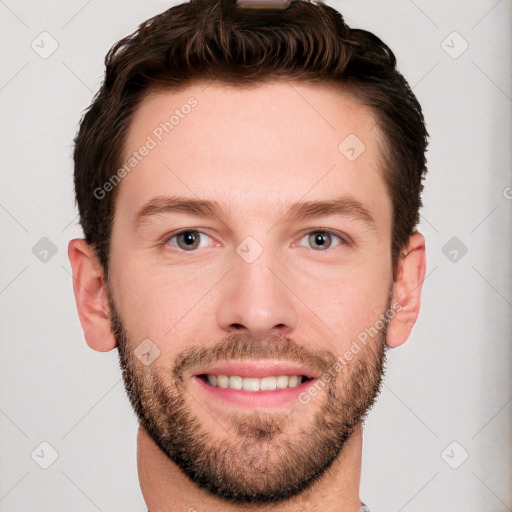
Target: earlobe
{"points": [[91, 297], [407, 291]]}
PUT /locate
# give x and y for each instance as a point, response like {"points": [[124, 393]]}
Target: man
{"points": [[248, 182]]}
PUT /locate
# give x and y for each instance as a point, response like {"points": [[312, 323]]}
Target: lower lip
{"points": [[254, 399]]}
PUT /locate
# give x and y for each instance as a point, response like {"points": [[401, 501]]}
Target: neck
{"points": [[166, 489]]}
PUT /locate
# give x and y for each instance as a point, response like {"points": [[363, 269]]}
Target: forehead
{"points": [[254, 149]]}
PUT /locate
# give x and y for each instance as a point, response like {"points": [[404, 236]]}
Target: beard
{"points": [[257, 457]]}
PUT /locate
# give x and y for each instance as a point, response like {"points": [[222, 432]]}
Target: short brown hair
{"points": [[217, 40]]}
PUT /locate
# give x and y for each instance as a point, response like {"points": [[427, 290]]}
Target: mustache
{"points": [[240, 347]]}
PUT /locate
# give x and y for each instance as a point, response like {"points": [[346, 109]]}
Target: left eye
{"points": [[322, 239]]}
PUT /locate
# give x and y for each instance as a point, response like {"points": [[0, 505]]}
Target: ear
{"points": [[91, 296], [407, 290]]}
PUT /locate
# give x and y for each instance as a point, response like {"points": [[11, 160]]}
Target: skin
{"points": [[255, 151]]}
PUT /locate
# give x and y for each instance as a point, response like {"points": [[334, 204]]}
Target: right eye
{"points": [[186, 240]]}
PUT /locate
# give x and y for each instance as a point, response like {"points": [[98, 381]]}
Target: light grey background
{"points": [[451, 382]]}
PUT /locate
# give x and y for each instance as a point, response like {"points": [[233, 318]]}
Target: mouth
{"points": [[253, 384]]}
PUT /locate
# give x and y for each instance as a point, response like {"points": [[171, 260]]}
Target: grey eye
{"points": [[320, 239], [188, 240]]}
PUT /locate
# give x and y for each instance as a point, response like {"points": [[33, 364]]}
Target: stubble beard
{"points": [[258, 457]]}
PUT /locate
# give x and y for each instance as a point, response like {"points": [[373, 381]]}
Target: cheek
{"points": [[162, 303], [349, 301]]}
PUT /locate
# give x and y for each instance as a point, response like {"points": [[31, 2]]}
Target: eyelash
{"points": [[331, 233]]}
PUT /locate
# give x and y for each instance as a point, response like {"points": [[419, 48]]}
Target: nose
{"points": [[257, 299]]}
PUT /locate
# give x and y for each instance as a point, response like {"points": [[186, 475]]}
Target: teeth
{"points": [[254, 384], [250, 384], [282, 381], [293, 381], [222, 381], [235, 382], [268, 384]]}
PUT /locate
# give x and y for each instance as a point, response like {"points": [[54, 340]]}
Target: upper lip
{"points": [[255, 369]]}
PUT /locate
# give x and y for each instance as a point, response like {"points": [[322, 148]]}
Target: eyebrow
{"points": [[345, 205]]}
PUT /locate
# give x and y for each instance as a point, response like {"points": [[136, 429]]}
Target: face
{"points": [[249, 323]]}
